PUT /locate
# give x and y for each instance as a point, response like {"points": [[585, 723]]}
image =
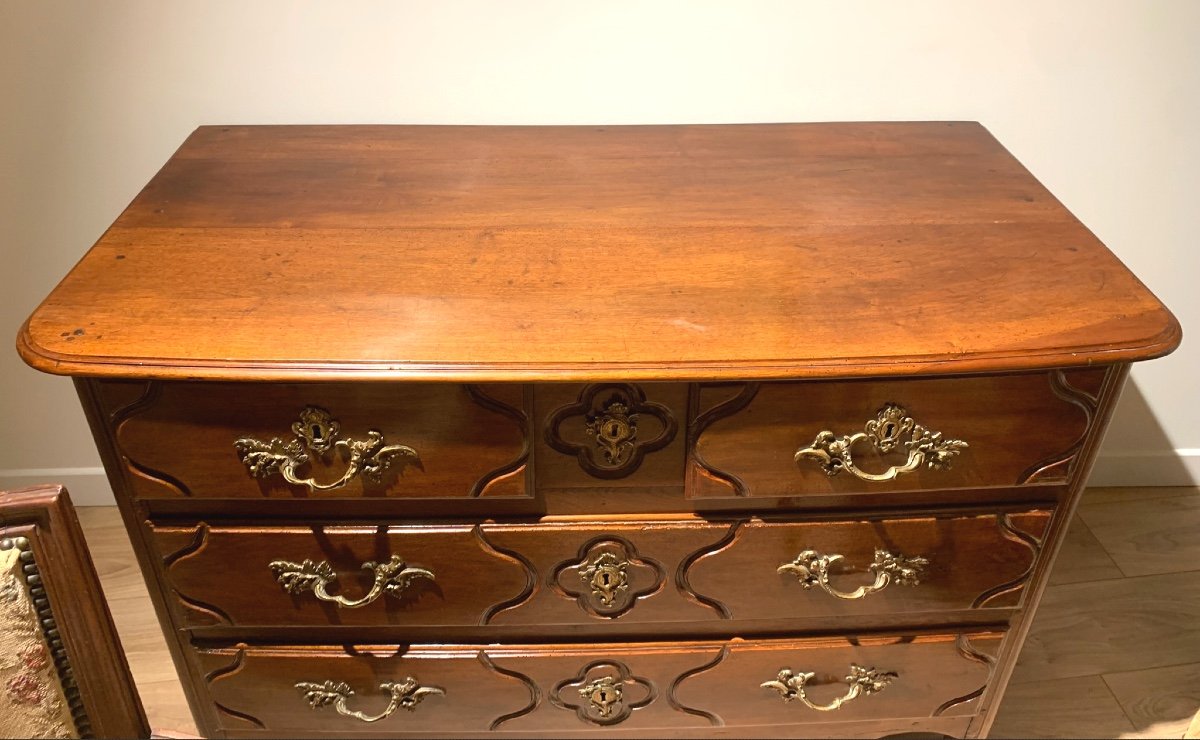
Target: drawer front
{"points": [[401, 440], [894, 682], [803, 439], [597, 574], [613, 435]]}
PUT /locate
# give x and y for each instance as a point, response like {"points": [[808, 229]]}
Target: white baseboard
{"points": [[1179, 467], [89, 486]]}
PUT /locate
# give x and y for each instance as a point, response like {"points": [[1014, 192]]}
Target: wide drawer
{"points": [[609, 575], [811, 438], [896, 683], [389, 440]]}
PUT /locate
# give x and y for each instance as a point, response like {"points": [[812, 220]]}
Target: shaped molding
{"points": [[603, 579], [610, 415], [521, 461], [535, 693], [969, 652], [150, 396], [1057, 468], [228, 671], [743, 395], [1010, 532]]}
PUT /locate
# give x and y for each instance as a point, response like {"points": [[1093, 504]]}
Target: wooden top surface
{"points": [[556, 253]]}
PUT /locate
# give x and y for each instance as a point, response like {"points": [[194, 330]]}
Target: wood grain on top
{"points": [[554, 253]]}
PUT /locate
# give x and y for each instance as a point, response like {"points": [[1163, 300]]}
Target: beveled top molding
{"points": [[694, 252]]}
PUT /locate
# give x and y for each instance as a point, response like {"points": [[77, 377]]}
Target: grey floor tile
{"points": [[1082, 558], [1115, 625], [1160, 535], [1158, 699], [1073, 707]]}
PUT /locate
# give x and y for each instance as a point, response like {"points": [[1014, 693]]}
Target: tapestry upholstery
{"points": [[32, 702]]}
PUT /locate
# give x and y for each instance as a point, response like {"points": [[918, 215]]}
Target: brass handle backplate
{"points": [[317, 435], [812, 568], [862, 682], [406, 694], [391, 578], [891, 428]]}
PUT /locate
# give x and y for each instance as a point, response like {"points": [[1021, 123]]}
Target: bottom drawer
{"points": [[795, 687]]}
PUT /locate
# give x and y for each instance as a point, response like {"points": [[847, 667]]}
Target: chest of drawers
{"points": [[636, 431]]}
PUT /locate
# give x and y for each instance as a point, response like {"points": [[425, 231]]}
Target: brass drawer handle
{"points": [[391, 578], [316, 435], [862, 681], [406, 694], [812, 568], [885, 433]]}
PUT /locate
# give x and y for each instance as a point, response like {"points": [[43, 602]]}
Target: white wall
{"points": [[1100, 99]]}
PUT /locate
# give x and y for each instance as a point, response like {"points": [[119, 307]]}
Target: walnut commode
{"points": [[762, 430]]}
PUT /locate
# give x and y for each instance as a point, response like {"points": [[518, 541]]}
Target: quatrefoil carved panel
{"points": [[608, 577], [613, 428], [603, 693]]}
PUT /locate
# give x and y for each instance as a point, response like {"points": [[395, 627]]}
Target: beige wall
{"points": [[1100, 99]]}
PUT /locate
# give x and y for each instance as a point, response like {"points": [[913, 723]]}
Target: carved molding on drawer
{"points": [[150, 395], [206, 611], [531, 579], [1057, 468], [610, 417], [603, 693], [728, 407], [535, 693], [1010, 532], [602, 579], [517, 464], [226, 672], [968, 651], [676, 704], [682, 575]]}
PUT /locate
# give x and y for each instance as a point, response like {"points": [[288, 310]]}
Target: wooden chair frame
{"points": [[102, 697]]}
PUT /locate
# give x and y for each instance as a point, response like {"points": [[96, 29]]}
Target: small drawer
{"points": [[677, 576], [795, 687], [798, 439], [296, 441]]}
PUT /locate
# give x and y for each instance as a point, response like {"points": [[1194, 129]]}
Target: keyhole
{"points": [[604, 698], [316, 433], [613, 430], [889, 429], [605, 579]]}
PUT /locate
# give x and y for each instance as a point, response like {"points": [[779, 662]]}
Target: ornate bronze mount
{"points": [[604, 694], [391, 578], [862, 682], [405, 694], [891, 428], [612, 577], [317, 433], [812, 568], [609, 693], [607, 578], [612, 417]]}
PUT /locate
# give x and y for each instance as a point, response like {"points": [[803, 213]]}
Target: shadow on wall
{"points": [[1136, 450]]}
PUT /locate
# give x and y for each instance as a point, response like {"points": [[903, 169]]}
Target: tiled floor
{"points": [[1114, 650]]}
